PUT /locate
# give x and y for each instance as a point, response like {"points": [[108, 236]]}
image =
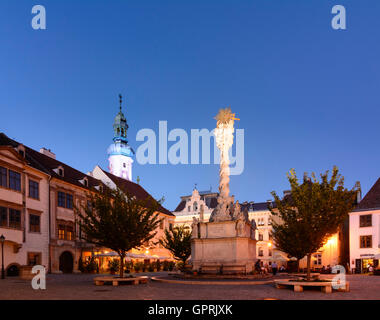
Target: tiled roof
{"points": [[181, 206], [47, 165], [371, 199], [133, 188]]}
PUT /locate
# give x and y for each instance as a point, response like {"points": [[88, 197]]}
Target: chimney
{"points": [[47, 152], [358, 191]]}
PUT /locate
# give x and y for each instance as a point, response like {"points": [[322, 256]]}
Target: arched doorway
{"points": [[13, 270], [66, 262]]}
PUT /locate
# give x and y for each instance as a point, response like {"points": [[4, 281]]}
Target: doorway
{"points": [[66, 262]]}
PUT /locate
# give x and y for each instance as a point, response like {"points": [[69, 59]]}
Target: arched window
{"points": [[118, 131], [195, 206]]}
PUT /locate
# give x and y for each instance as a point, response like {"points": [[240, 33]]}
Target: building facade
{"points": [[365, 232], [39, 198], [24, 208]]}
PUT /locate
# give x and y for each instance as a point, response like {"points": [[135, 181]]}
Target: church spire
{"points": [[120, 125], [119, 152]]}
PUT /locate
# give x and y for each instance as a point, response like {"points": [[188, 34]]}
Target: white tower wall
{"points": [[120, 166]]}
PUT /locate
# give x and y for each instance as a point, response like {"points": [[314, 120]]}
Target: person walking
{"points": [[274, 268]]}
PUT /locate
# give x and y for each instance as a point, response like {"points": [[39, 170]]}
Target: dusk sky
{"points": [[307, 95]]}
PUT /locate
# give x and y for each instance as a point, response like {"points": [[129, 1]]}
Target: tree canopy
{"points": [[178, 241], [312, 213], [118, 221]]}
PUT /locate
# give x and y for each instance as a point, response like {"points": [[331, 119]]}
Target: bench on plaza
{"points": [[223, 269], [304, 275], [325, 286], [100, 281]]}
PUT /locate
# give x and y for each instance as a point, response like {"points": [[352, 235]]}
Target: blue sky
{"points": [[307, 95]]}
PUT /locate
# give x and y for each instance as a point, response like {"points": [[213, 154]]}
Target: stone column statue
{"points": [[224, 137], [194, 228]]}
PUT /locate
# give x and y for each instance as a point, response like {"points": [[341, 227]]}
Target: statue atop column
{"points": [[224, 137]]}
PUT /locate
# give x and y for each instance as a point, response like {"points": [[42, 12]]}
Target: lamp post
{"points": [[2, 239]]}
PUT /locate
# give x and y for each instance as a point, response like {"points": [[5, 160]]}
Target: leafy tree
{"points": [[178, 241], [118, 221], [311, 214]]}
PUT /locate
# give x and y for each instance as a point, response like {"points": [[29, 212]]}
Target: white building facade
{"points": [[365, 232]]}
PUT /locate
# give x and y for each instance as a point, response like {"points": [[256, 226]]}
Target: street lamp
{"points": [[2, 239]]}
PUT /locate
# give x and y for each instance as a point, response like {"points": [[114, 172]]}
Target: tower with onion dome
{"points": [[120, 154]]}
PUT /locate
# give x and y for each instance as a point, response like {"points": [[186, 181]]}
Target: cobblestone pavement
{"points": [[81, 286]]}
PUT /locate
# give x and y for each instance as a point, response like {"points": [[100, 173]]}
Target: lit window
{"points": [[317, 259], [34, 258], [61, 232]]}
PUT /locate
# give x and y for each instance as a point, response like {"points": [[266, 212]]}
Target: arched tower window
{"points": [[195, 206]]}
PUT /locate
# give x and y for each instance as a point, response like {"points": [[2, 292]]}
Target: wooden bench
{"points": [[223, 268], [100, 281], [228, 269], [326, 287]]}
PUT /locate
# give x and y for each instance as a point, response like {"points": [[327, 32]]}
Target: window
{"points": [[65, 200], [3, 177], [189, 208], [365, 241], [269, 221], [366, 220], [261, 252], [69, 233], [33, 189], [14, 180], [14, 218], [261, 237], [317, 259], [60, 172], [61, 232], [34, 223], [124, 165], [3, 217], [34, 258], [61, 199], [89, 205], [162, 224], [69, 201], [270, 252], [195, 206]]}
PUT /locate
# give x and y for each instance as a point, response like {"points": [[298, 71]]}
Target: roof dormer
{"points": [[21, 150], [60, 171], [84, 181]]}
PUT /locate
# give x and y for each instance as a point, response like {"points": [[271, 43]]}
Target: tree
{"points": [[311, 214], [118, 221], [178, 241]]}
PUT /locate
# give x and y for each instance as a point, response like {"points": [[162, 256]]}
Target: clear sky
{"points": [[307, 95]]}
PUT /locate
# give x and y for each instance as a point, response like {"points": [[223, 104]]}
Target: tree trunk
{"points": [[122, 264], [308, 266]]}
